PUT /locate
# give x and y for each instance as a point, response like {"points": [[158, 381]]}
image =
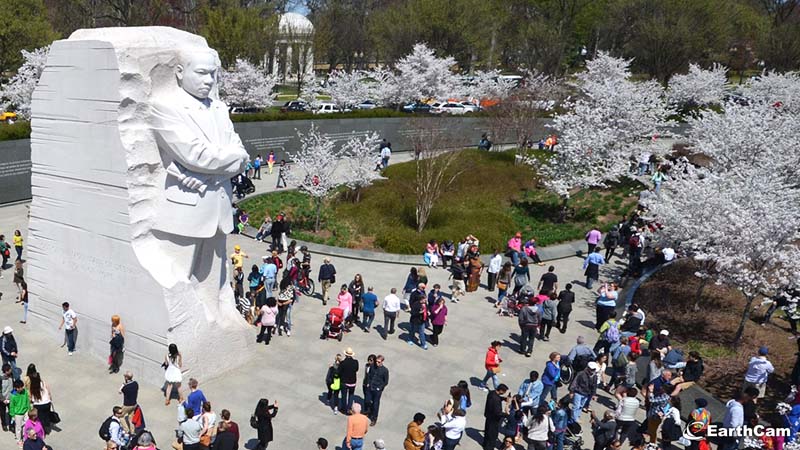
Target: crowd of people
{"points": [[632, 360]]}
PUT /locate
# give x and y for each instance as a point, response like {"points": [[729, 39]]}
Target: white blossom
{"points": [[19, 90], [386, 89], [605, 128], [311, 89], [424, 75], [775, 89], [314, 165], [347, 89], [700, 86], [488, 85], [361, 157], [246, 85]]}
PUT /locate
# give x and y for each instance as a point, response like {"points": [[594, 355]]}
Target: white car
{"points": [[471, 107], [327, 108], [455, 109], [367, 104]]}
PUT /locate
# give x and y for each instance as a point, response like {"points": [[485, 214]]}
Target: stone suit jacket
{"points": [[196, 139]]}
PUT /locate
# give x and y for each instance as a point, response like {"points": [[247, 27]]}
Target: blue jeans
{"points": [[552, 390], [355, 444], [588, 283], [366, 322], [269, 286], [559, 440], [514, 258], [658, 187], [493, 376], [373, 399], [578, 402], [501, 293], [418, 329], [70, 340], [643, 168]]}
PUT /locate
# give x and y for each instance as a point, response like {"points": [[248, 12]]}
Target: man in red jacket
{"points": [[492, 364]]}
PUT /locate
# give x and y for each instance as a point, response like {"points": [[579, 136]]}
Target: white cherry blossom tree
{"points": [[347, 89], [424, 75], [699, 86], [313, 168], [247, 85], [775, 89], [386, 89], [361, 157], [18, 92], [311, 89], [604, 128]]}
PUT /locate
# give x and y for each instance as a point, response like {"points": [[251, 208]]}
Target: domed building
{"points": [[293, 56]]}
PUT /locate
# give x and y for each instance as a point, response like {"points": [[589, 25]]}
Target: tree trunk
{"points": [[745, 317], [699, 294], [358, 195], [319, 210]]}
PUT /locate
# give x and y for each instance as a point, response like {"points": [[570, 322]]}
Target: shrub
{"points": [[19, 130]]}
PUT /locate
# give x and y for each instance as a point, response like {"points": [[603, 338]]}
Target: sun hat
{"points": [[7, 330], [593, 365], [349, 352]]}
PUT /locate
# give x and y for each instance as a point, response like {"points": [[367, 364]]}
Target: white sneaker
{"points": [[288, 332], [70, 353]]}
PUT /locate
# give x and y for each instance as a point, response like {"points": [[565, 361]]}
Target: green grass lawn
{"points": [[493, 199]]}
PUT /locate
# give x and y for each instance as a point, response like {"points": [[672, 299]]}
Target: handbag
{"points": [[54, 417], [496, 369], [502, 285], [253, 421], [205, 440]]}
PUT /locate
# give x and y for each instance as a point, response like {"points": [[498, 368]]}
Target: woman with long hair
{"points": [[411, 283], [522, 275], [503, 282], [41, 399], [356, 290], [28, 373], [539, 425], [173, 363], [209, 421], [263, 416]]}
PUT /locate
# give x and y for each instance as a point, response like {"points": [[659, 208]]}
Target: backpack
{"points": [[621, 360], [612, 333], [105, 428], [581, 362], [634, 241]]}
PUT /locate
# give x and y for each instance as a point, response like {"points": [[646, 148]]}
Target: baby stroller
{"points": [[515, 302], [242, 186], [573, 438], [334, 324]]}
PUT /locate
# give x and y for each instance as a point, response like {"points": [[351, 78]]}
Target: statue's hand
{"points": [[192, 182]]}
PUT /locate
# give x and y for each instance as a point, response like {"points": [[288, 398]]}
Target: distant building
{"points": [[293, 56]]}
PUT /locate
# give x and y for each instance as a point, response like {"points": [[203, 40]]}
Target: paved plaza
{"points": [[292, 369]]}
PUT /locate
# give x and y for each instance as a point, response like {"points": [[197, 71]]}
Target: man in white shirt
{"points": [[191, 429], [454, 424], [391, 305], [386, 153], [495, 264], [69, 321]]}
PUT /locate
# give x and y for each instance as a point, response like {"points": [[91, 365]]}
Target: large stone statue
{"points": [[132, 156]]}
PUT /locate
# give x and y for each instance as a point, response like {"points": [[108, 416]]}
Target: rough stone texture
{"points": [[97, 179]]}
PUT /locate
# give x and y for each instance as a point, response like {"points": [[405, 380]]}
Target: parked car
{"points": [[327, 108], [455, 109], [417, 107], [244, 110], [471, 107], [294, 106], [366, 104]]}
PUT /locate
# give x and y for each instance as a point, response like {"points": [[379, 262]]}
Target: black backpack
{"points": [[105, 428]]}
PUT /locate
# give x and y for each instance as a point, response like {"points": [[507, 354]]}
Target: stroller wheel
{"points": [[340, 336]]}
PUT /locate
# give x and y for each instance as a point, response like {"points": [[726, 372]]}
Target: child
{"points": [[18, 406]]}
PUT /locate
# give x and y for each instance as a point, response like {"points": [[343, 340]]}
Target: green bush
{"points": [[492, 199], [19, 130]]}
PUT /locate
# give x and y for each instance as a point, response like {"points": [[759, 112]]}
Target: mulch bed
{"points": [[668, 299]]}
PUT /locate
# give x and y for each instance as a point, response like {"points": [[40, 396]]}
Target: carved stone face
{"points": [[197, 74]]}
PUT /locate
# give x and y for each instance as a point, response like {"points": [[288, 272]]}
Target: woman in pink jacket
{"points": [[345, 301]]}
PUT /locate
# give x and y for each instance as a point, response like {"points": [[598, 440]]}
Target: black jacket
{"points": [[584, 383], [379, 378], [332, 372], [225, 441], [693, 370], [417, 308], [327, 272], [632, 324], [565, 300], [278, 227], [348, 370], [9, 344], [604, 431], [494, 407]]}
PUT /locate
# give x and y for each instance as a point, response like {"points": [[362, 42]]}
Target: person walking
{"points": [[415, 437], [457, 274], [529, 320], [267, 318], [379, 379], [18, 244], [493, 413], [419, 312], [263, 415], [592, 239], [539, 425], [591, 266], [257, 167], [369, 301], [23, 298], [438, 320], [130, 400], [116, 344], [504, 279], [758, 371], [522, 275], [270, 161], [69, 321], [196, 397], [278, 229], [495, 264], [391, 306], [610, 242], [173, 363], [551, 376], [492, 364], [564, 308], [348, 371], [548, 282], [18, 406], [8, 348], [6, 386], [282, 170], [326, 277], [357, 428], [19, 275], [583, 389], [548, 316]]}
